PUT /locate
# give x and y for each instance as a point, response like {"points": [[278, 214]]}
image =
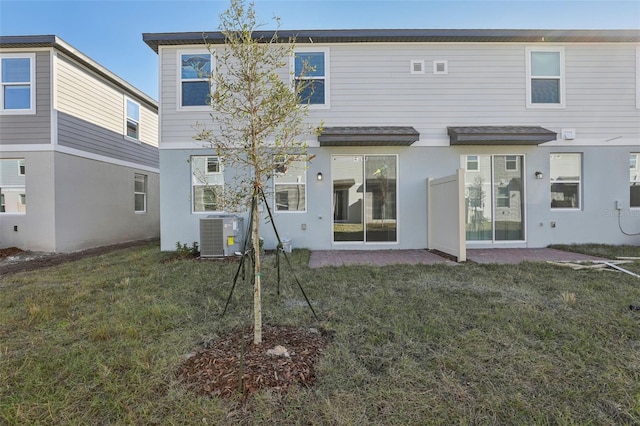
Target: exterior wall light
{"points": [[539, 175], [319, 176]]}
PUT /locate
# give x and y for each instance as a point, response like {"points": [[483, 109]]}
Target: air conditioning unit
{"points": [[221, 235]]}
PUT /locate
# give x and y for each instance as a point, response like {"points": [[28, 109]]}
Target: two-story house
{"points": [[78, 150], [544, 126]]}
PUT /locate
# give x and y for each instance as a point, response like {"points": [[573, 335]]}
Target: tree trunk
{"points": [[257, 298]]}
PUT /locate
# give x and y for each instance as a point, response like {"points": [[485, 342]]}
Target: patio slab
{"points": [[320, 258]]}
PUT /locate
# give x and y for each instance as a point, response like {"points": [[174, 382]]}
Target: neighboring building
{"points": [[545, 124], [78, 150]]}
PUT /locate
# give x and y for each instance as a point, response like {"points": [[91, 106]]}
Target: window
{"points": [[634, 180], [545, 77], [208, 184], [417, 67], [511, 162], [565, 171], [494, 198], [13, 196], [195, 72], [140, 193], [440, 67], [290, 182], [311, 79], [18, 89], [133, 119], [472, 163]]}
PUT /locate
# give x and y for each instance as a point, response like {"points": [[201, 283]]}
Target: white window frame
{"points": [[32, 84], [278, 172], [192, 175], [578, 181], [507, 160], [326, 78], [561, 78], [127, 118], [635, 179], [467, 161], [420, 66], [22, 169], [136, 176], [180, 80], [440, 62]]}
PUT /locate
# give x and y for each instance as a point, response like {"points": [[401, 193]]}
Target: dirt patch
{"points": [[233, 365], [13, 260]]}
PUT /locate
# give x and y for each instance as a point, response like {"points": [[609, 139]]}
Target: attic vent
{"points": [[417, 67], [440, 67]]}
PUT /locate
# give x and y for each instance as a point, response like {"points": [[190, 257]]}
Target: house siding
{"points": [[91, 117], [371, 84], [12, 127]]}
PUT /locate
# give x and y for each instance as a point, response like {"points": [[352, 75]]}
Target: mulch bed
{"points": [[234, 366], [11, 251]]}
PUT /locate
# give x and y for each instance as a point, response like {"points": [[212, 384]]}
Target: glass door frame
{"points": [[364, 241], [523, 174]]}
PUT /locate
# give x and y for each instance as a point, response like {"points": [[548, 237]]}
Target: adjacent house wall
{"points": [[94, 204]]}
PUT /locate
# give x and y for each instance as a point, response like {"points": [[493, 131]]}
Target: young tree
{"points": [[257, 118]]}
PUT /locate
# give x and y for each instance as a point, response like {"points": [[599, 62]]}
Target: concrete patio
{"points": [[320, 258]]}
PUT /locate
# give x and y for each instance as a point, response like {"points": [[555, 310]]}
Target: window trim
{"points": [[22, 168], [180, 80], [443, 62], [206, 173], [327, 92], [467, 161], [32, 84], [144, 193], [506, 161], [302, 158], [561, 78], [579, 182], [126, 119]]}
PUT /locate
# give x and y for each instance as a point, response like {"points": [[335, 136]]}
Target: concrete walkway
{"points": [[320, 258]]}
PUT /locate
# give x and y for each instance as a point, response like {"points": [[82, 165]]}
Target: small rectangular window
{"points": [[511, 163], [634, 180], [310, 70], [207, 182], [472, 163], [290, 182], [17, 80], [133, 119], [566, 176], [440, 67], [13, 186], [140, 193], [545, 74], [417, 67], [194, 73]]}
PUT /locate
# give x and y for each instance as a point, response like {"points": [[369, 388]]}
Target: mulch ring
{"points": [[285, 358]]}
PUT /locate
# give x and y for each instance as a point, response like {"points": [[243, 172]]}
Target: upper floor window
{"points": [[194, 88], [133, 119], [311, 76], [545, 77], [566, 176], [140, 193], [634, 179], [290, 182], [207, 182], [18, 84]]}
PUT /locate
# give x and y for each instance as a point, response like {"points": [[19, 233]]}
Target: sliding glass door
{"points": [[364, 198], [494, 197]]}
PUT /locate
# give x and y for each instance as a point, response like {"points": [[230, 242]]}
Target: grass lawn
{"points": [[98, 341]]}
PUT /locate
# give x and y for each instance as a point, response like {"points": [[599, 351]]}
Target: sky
{"points": [[110, 31]]}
